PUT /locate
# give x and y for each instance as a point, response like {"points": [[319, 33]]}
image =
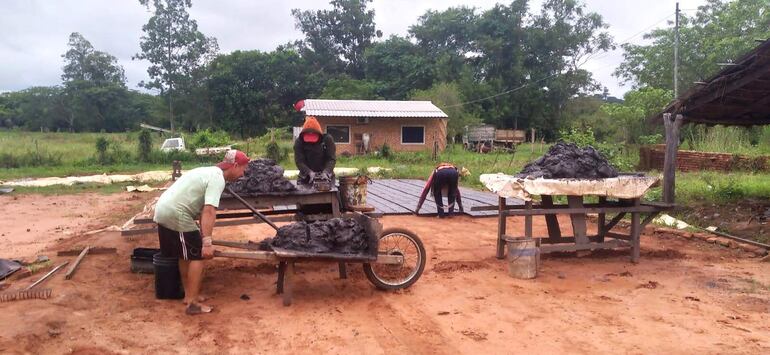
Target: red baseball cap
{"points": [[233, 157]]}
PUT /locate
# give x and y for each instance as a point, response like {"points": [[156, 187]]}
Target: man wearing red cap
{"points": [[314, 152], [194, 196]]}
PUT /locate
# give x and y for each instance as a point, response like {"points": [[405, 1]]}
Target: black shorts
{"points": [[182, 245]]}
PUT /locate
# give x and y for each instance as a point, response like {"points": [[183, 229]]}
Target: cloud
{"points": [[34, 33]]}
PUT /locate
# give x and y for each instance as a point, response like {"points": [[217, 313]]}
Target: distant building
{"points": [[358, 126]]}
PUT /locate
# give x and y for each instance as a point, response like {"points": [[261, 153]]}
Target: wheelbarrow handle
{"points": [[250, 207]]}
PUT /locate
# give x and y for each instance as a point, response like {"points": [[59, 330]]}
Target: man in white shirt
{"points": [[194, 196]]}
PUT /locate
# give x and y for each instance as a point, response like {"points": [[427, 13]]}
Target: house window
{"points": [[340, 134], [412, 134]]}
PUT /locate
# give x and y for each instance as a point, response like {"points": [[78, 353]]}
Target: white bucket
{"points": [[523, 257]]}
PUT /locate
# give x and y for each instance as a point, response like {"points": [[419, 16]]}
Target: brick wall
{"points": [[652, 157], [382, 130]]}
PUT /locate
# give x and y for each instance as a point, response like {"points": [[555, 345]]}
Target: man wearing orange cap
{"points": [[194, 196], [314, 152]]}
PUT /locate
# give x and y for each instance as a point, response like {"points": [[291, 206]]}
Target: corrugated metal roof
{"points": [[372, 108]]}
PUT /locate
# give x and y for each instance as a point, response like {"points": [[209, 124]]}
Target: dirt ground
{"points": [[685, 296]]}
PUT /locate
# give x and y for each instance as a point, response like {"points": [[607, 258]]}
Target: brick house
{"points": [[403, 125]]}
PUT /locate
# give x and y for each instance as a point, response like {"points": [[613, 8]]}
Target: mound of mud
{"points": [[337, 235], [262, 176], [568, 161]]}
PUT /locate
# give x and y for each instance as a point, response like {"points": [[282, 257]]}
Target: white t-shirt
{"points": [[180, 205]]}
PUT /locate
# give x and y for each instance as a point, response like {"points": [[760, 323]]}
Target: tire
{"points": [[415, 271]]}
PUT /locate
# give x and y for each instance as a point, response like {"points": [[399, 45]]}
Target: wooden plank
{"points": [[556, 210], [389, 259], [589, 246], [74, 265], [552, 223], [252, 255], [601, 221], [578, 219], [288, 287], [92, 251], [409, 187], [614, 221], [528, 221], [240, 245], [618, 236], [567, 239]]}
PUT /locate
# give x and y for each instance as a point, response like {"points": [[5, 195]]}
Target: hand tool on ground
{"points": [[42, 294], [251, 208], [46, 276]]}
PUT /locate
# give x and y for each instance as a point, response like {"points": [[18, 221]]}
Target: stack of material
{"points": [[337, 235], [568, 161], [262, 176]]}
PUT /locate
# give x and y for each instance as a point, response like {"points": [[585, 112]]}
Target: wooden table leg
{"points": [[281, 273], [503, 213], [528, 221], [343, 270], [635, 235], [578, 220], [602, 220], [336, 206], [288, 287], [551, 221]]}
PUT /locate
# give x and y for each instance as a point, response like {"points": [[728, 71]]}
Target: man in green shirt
{"points": [[195, 196]]}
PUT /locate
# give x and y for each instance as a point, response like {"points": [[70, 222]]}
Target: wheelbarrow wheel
{"points": [[402, 242]]}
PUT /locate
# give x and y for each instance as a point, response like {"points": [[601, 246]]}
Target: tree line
{"points": [[511, 65]]}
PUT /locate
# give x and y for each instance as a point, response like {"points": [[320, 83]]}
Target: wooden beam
{"points": [[590, 246], [253, 255], [73, 267]]}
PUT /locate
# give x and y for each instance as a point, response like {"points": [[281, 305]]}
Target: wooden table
{"points": [[641, 213], [283, 199]]}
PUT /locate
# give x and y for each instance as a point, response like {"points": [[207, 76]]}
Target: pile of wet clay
{"points": [[568, 161], [262, 176], [337, 235]]}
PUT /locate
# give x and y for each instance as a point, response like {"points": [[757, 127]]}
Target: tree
{"points": [[345, 88], [344, 32], [719, 32], [446, 38], [253, 90], [629, 117], [447, 97], [174, 47], [94, 86], [399, 66]]}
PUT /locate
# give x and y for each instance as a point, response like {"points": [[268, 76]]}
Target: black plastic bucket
{"points": [[168, 283], [141, 260]]}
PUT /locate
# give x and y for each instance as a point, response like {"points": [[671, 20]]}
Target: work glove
{"points": [[208, 248], [311, 176]]}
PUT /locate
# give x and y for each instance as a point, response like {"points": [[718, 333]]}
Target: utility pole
{"points": [[676, 53]]}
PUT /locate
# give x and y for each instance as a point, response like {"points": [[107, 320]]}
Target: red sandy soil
{"points": [[685, 296]]}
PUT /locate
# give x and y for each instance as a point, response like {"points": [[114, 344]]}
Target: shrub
{"points": [[207, 138], [273, 151], [385, 151], [651, 139], [102, 144], [145, 145]]}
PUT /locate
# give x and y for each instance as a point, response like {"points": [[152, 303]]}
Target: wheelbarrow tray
{"points": [[373, 229]]}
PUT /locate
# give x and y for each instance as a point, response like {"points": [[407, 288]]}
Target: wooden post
{"points": [[532, 136], [602, 221], [503, 213], [551, 221], [528, 221], [669, 162], [635, 234]]}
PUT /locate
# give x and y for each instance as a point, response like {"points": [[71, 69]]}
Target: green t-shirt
{"points": [[179, 207]]}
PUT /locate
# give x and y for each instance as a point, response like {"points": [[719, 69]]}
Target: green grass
{"points": [[718, 187]]}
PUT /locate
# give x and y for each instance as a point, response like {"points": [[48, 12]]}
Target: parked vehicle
{"points": [[483, 138]]}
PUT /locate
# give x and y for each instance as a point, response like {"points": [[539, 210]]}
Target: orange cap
{"points": [[311, 125]]}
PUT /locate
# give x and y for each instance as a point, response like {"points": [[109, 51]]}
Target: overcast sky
{"points": [[34, 33]]}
